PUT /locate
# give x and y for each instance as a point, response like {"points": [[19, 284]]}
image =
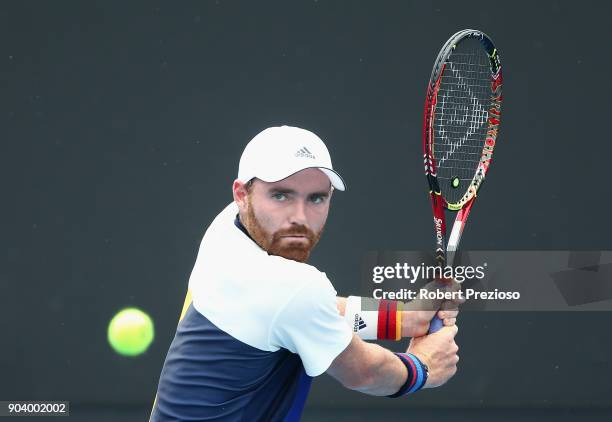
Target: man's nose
{"points": [[298, 213]]}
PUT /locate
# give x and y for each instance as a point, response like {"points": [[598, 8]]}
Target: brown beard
{"points": [[271, 243]]}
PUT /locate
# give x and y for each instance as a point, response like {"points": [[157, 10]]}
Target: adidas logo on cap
{"points": [[303, 152]]}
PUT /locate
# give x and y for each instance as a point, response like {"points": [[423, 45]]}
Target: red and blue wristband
{"points": [[417, 375]]}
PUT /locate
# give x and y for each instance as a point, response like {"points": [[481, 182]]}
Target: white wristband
{"points": [[362, 323]]}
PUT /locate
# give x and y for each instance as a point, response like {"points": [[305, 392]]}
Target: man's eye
{"points": [[317, 199], [279, 196]]}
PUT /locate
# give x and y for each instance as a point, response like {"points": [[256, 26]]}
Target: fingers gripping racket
{"points": [[461, 123]]}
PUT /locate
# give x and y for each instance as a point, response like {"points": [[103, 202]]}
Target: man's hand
{"points": [[439, 352], [418, 313], [416, 323]]}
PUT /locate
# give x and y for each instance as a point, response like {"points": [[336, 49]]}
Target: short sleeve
{"points": [[311, 326]]}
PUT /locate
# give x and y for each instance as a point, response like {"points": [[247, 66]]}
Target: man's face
{"points": [[286, 218]]}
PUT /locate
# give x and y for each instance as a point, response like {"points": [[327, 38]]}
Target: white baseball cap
{"points": [[278, 152]]}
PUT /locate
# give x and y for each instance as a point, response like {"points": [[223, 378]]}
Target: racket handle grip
{"points": [[435, 325]]}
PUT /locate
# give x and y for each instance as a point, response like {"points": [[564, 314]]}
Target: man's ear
{"points": [[239, 190]]}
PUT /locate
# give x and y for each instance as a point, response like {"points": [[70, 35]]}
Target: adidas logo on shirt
{"points": [[303, 152]]}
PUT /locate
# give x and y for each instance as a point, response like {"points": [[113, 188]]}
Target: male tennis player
{"points": [[259, 322]]}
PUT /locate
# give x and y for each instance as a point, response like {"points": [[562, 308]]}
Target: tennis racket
{"points": [[460, 128]]}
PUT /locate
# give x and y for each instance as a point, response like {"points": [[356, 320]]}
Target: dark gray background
{"points": [[123, 122]]}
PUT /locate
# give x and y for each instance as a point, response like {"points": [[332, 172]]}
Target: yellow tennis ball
{"points": [[130, 332]]}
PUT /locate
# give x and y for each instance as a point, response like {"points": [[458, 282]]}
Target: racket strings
{"points": [[460, 117]]}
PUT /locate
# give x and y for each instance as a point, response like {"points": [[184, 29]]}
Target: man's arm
{"points": [[374, 370], [368, 368], [341, 304]]}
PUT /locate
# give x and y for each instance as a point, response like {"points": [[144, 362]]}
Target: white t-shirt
{"points": [[266, 301]]}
